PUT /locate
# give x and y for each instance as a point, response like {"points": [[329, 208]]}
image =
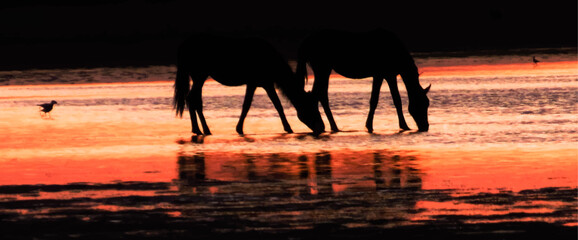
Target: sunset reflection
{"points": [[500, 150], [320, 173]]}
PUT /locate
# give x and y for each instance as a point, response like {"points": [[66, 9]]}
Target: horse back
{"points": [[232, 60], [357, 55]]}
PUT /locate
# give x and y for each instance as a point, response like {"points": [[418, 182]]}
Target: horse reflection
{"points": [[296, 174], [304, 174], [305, 189], [323, 173], [192, 173], [395, 172], [267, 168], [250, 167]]}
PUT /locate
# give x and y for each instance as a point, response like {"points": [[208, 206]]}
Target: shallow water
{"points": [[501, 150]]}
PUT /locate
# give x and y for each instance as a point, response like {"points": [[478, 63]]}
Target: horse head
{"points": [[308, 113], [418, 107]]}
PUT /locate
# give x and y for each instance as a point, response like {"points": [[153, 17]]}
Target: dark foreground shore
{"points": [[161, 229], [499, 161], [269, 209]]}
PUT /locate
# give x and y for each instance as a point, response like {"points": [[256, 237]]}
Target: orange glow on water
{"points": [[348, 170], [104, 145], [90, 169], [513, 69], [482, 164]]}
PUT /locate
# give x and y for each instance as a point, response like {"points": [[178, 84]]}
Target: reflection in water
{"points": [[250, 166], [400, 172], [502, 152], [305, 174], [191, 172], [377, 163], [324, 192], [302, 190], [323, 173]]}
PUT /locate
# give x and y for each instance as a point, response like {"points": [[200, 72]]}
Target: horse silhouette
{"points": [[378, 54], [234, 62]]}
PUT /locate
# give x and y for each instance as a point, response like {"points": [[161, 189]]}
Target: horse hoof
{"points": [[198, 139], [316, 134]]}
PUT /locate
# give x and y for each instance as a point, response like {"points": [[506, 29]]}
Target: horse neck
{"points": [[411, 81], [289, 88]]}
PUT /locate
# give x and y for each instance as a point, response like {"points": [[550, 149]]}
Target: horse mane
{"points": [[285, 79], [288, 85], [301, 69]]}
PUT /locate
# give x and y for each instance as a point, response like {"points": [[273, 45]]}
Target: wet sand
{"points": [[114, 163], [338, 194], [355, 215]]}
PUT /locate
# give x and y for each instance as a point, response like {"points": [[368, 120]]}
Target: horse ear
{"points": [[427, 88]]}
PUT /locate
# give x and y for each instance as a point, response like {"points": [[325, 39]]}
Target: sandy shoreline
{"points": [[277, 215], [336, 194], [113, 162]]}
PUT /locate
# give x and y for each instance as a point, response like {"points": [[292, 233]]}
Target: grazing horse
{"points": [[234, 62], [378, 54]]}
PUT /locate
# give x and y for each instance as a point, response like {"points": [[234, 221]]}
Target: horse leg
{"points": [[375, 90], [202, 116], [193, 114], [392, 82], [246, 105], [196, 102], [320, 88], [275, 99]]}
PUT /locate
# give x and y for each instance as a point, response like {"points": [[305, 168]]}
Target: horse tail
{"points": [[182, 87], [301, 69]]}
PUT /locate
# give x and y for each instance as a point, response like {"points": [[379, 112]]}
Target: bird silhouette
{"points": [[45, 108], [536, 61]]}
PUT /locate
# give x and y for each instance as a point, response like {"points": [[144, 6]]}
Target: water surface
{"points": [[500, 159]]}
